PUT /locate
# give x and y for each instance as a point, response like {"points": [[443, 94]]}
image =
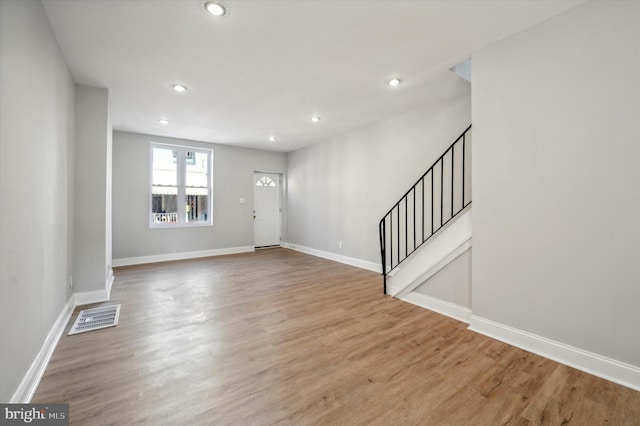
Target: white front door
{"points": [[266, 209]]}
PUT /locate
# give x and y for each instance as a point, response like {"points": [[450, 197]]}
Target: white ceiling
{"points": [[269, 65]]}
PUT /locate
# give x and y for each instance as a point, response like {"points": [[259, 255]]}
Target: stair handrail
{"points": [[434, 230]]}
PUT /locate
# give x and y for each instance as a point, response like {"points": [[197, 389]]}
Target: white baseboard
{"points": [[359, 263], [443, 307], [127, 261], [31, 379], [592, 363]]}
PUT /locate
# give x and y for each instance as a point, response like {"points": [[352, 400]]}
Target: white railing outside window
{"points": [[165, 217]]}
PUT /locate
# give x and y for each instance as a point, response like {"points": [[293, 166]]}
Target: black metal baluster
{"points": [[399, 233], [453, 150], [414, 220], [441, 189], [422, 211], [432, 201], [381, 230], [406, 226], [463, 170], [391, 239]]}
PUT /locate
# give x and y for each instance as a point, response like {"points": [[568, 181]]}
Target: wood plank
{"points": [[280, 337]]}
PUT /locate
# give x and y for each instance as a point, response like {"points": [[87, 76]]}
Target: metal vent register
{"points": [[96, 318]]}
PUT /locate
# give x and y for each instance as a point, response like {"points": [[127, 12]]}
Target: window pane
{"points": [[197, 170], [165, 169], [197, 208], [164, 208], [164, 189], [197, 187]]}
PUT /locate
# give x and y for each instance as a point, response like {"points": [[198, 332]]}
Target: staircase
{"points": [[421, 224]]}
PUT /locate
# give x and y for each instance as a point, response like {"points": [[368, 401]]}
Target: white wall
{"points": [[36, 186], [556, 169], [232, 179], [92, 230], [340, 189]]}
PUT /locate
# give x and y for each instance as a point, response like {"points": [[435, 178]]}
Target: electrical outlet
{"points": [[339, 244], [71, 281]]}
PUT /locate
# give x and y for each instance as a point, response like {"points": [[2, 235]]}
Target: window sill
{"points": [[179, 226]]}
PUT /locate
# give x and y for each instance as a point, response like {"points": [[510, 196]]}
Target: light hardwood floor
{"points": [[280, 337]]}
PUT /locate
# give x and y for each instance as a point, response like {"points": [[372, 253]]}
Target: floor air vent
{"points": [[96, 318]]}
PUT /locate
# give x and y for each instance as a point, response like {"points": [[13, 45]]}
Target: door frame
{"points": [[281, 195]]}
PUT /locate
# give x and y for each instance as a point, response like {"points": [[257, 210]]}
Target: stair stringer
{"points": [[444, 247]]}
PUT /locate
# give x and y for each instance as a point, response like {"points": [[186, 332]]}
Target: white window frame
{"points": [[181, 151]]}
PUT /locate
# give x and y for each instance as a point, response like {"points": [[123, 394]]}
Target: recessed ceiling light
{"points": [[394, 82], [315, 118], [272, 139], [179, 88], [214, 8], [163, 121]]}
